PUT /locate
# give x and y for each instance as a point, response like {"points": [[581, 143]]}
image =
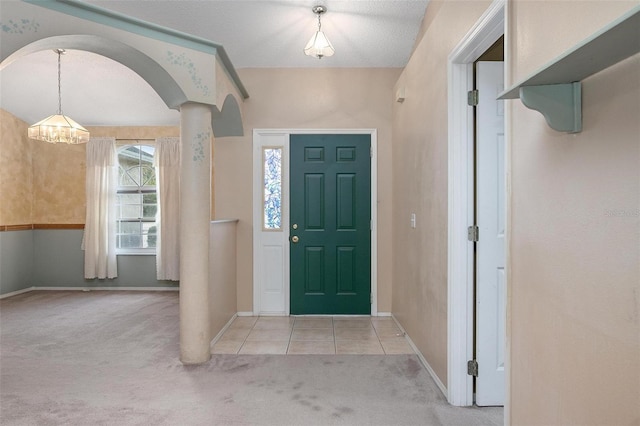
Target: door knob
{"points": [[295, 239]]}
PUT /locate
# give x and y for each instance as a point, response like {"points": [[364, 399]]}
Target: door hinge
{"points": [[472, 97], [473, 233], [472, 368], [371, 151], [370, 298]]}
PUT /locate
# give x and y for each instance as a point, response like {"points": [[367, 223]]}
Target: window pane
{"points": [[130, 227], [130, 198], [149, 211], [129, 241], [129, 161], [148, 176], [128, 177], [146, 155], [129, 235], [272, 173], [149, 198], [128, 211], [150, 234], [129, 153], [149, 208]]}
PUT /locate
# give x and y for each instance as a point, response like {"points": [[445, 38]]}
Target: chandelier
{"points": [[319, 45], [58, 128]]}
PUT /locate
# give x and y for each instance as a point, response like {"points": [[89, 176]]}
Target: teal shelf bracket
{"points": [[560, 104], [555, 89]]}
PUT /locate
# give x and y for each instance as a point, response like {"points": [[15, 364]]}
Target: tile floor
{"points": [[313, 335]]}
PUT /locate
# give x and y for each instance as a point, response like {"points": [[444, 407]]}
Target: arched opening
{"points": [[196, 122], [96, 91], [154, 74]]}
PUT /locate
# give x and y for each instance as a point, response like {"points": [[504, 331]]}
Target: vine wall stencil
{"points": [[21, 27], [181, 60], [197, 146]]}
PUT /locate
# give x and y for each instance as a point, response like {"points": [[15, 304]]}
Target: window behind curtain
{"points": [[136, 200]]}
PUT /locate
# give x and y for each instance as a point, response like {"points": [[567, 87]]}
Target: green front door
{"points": [[330, 231]]}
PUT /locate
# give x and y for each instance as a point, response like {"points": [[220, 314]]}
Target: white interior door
{"points": [[490, 248]]}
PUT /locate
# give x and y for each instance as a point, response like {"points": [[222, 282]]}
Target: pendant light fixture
{"points": [[58, 128], [319, 45]]}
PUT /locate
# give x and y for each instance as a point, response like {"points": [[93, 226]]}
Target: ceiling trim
{"points": [[147, 29]]}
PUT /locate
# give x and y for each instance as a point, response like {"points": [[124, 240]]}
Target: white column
{"points": [[195, 216]]}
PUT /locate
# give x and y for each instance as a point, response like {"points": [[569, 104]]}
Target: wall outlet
{"points": [[413, 220]]}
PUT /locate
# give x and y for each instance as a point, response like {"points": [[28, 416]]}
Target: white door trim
{"points": [[482, 35], [257, 212]]}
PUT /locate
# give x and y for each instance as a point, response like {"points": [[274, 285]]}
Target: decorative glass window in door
{"points": [[272, 197]]}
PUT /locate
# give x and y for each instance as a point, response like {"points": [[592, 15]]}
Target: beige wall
{"points": [[420, 182], [44, 183], [222, 275], [329, 98], [60, 172], [574, 219], [575, 233], [16, 175], [58, 183]]}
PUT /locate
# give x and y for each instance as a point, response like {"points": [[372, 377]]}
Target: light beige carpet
{"points": [[111, 358]]}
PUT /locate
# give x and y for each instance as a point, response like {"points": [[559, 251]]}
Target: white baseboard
{"points": [[225, 328], [422, 359], [17, 292], [268, 314], [106, 288], [87, 289]]}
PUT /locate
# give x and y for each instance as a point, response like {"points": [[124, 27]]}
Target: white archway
{"points": [[189, 74], [157, 77]]}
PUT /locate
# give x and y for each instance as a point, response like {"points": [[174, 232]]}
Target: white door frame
{"points": [[482, 35], [257, 212]]}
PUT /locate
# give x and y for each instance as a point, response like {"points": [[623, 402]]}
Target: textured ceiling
{"points": [[379, 33]]}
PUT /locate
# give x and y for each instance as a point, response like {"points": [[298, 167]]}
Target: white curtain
{"points": [[167, 162], [99, 242]]}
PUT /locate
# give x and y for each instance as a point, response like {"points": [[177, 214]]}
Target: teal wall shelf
{"points": [[555, 89]]}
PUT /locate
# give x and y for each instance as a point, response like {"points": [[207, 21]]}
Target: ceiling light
{"points": [[59, 128], [319, 45]]}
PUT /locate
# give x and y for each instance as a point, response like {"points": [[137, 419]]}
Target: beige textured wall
{"points": [[575, 234], [58, 183], [60, 171], [420, 182], [326, 98], [45, 183], [222, 275], [16, 176]]}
